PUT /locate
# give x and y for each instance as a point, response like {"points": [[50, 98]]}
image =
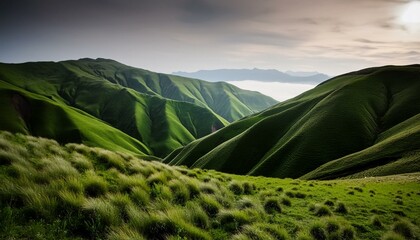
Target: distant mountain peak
{"points": [[256, 74]]}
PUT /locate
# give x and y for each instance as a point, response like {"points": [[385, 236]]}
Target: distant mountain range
{"points": [[264, 75], [100, 102], [364, 123]]}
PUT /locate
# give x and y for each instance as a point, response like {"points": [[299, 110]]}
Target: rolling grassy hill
{"points": [[364, 123], [104, 103], [53, 191]]}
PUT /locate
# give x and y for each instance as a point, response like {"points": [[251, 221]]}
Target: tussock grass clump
{"points": [[236, 188], [286, 201], [71, 199], [38, 203], [192, 185], [208, 188], [276, 231], [329, 203], [248, 187], [332, 225], [272, 205], [105, 211], [209, 204], [253, 232], [140, 196], [246, 203], [6, 157], [127, 182], [322, 210], [157, 178], [404, 228], [299, 195], [317, 231], [232, 220], [376, 222], [94, 185], [347, 233], [80, 162], [197, 215], [180, 192], [110, 159], [341, 208], [290, 194], [161, 192]]}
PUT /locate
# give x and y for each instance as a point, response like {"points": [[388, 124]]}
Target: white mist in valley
{"points": [[277, 90]]}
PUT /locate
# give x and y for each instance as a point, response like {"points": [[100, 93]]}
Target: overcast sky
{"points": [[330, 36]]}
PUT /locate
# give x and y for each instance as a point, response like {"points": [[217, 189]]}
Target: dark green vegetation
{"points": [[365, 123], [107, 104], [50, 191]]}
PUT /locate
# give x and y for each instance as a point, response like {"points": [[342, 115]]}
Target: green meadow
{"points": [[54, 191]]}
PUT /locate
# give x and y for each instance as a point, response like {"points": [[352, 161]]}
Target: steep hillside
{"points": [[71, 101], [52, 191], [224, 99], [357, 123], [74, 102]]}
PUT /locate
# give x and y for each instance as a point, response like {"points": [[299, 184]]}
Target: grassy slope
{"points": [[160, 124], [362, 120], [48, 191]]}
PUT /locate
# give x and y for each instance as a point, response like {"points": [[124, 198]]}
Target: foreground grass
{"points": [[48, 191]]}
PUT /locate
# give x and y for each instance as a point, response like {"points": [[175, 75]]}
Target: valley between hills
{"points": [[95, 149]]}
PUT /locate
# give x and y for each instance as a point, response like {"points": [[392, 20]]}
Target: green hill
{"points": [[359, 124], [107, 104], [52, 191]]}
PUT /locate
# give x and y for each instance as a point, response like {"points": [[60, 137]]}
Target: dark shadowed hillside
{"points": [[362, 123]]}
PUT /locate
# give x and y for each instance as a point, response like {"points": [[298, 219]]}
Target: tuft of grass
{"points": [[232, 220], [180, 192], [94, 185], [404, 228], [197, 215], [376, 222], [7, 157], [208, 188], [322, 210], [71, 200], [276, 231], [157, 178], [332, 225], [300, 195], [236, 188], [286, 201], [80, 162], [272, 205], [347, 233], [209, 204], [329, 203], [140, 196], [246, 203], [248, 187], [290, 194], [317, 231], [341, 208], [253, 232], [105, 211]]}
